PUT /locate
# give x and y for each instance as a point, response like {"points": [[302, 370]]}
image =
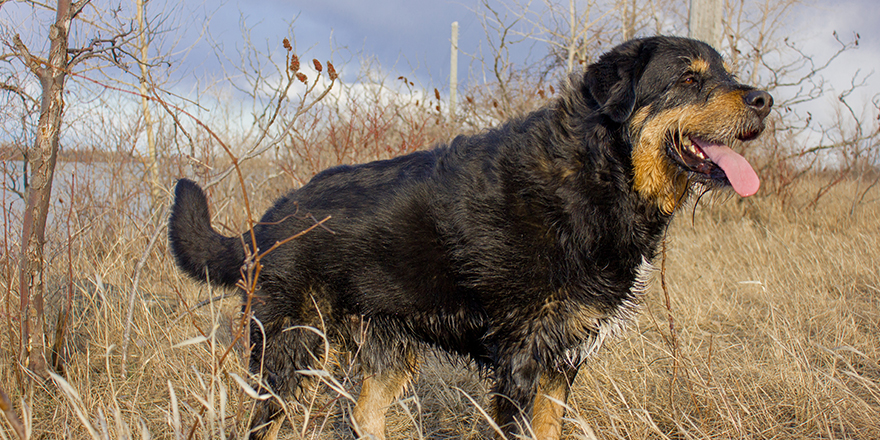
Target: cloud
{"points": [[848, 19]]}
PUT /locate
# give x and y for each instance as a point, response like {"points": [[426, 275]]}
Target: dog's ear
{"points": [[612, 80]]}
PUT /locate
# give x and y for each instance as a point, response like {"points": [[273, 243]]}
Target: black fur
{"points": [[511, 247]]}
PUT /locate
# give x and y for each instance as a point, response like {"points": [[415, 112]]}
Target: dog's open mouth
{"points": [[717, 162]]}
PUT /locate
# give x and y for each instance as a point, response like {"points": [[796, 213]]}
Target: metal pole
{"points": [[453, 70]]}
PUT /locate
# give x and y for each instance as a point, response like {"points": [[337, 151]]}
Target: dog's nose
{"points": [[760, 101]]}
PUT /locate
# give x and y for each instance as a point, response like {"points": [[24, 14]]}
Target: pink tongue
{"points": [[740, 174]]}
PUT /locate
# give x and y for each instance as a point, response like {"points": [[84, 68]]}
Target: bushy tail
{"points": [[196, 246]]}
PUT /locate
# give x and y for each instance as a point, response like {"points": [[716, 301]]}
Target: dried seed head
{"points": [[302, 77], [318, 66], [286, 44], [437, 94], [294, 63], [331, 71]]}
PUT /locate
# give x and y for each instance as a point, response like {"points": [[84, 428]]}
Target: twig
{"points": [[205, 302], [134, 287], [294, 236], [673, 340], [257, 150]]}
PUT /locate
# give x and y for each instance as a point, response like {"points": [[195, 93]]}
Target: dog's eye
{"points": [[689, 80]]}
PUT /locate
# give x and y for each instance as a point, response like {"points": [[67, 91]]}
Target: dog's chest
{"points": [[613, 324]]}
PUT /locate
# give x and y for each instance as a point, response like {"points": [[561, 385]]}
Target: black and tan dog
{"points": [[521, 248]]}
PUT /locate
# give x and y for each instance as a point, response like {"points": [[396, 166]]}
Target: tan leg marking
{"points": [[547, 414], [274, 427], [377, 394], [268, 428]]}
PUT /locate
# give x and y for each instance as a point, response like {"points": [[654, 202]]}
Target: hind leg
{"points": [[389, 361], [378, 392], [266, 421]]}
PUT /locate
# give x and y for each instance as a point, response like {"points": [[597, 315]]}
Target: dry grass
{"points": [[775, 315]]}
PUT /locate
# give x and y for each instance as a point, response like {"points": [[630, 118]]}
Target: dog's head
{"points": [[681, 109]]}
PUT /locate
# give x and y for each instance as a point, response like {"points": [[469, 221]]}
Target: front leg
{"points": [[525, 393], [513, 393], [554, 385]]}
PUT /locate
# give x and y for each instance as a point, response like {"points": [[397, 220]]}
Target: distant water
{"points": [[96, 188]]}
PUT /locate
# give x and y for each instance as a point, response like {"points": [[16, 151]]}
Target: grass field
{"points": [[768, 327]]}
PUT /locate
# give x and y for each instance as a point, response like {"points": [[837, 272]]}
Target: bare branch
{"points": [[33, 63], [18, 91], [104, 48], [257, 150], [77, 7]]}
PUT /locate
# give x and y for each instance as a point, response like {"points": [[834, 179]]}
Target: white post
{"points": [[705, 21], [453, 70]]}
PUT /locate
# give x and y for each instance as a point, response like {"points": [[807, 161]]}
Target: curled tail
{"points": [[196, 246]]}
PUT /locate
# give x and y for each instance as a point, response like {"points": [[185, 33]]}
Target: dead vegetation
{"points": [[774, 316], [762, 320]]}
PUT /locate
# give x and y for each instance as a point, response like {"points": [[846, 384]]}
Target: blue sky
{"points": [[407, 37], [411, 37]]}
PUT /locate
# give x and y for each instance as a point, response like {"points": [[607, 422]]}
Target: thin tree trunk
{"points": [[152, 152], [705, 21], [41, 158]]}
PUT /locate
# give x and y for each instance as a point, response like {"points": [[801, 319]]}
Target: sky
{"points": [[409, 37], [412, 37], [846, 17]]}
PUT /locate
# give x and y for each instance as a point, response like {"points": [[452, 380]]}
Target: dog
{"points": [[521, 248]]}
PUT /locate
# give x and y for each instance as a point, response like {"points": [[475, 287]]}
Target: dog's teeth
{"points": [[689, 145]]}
